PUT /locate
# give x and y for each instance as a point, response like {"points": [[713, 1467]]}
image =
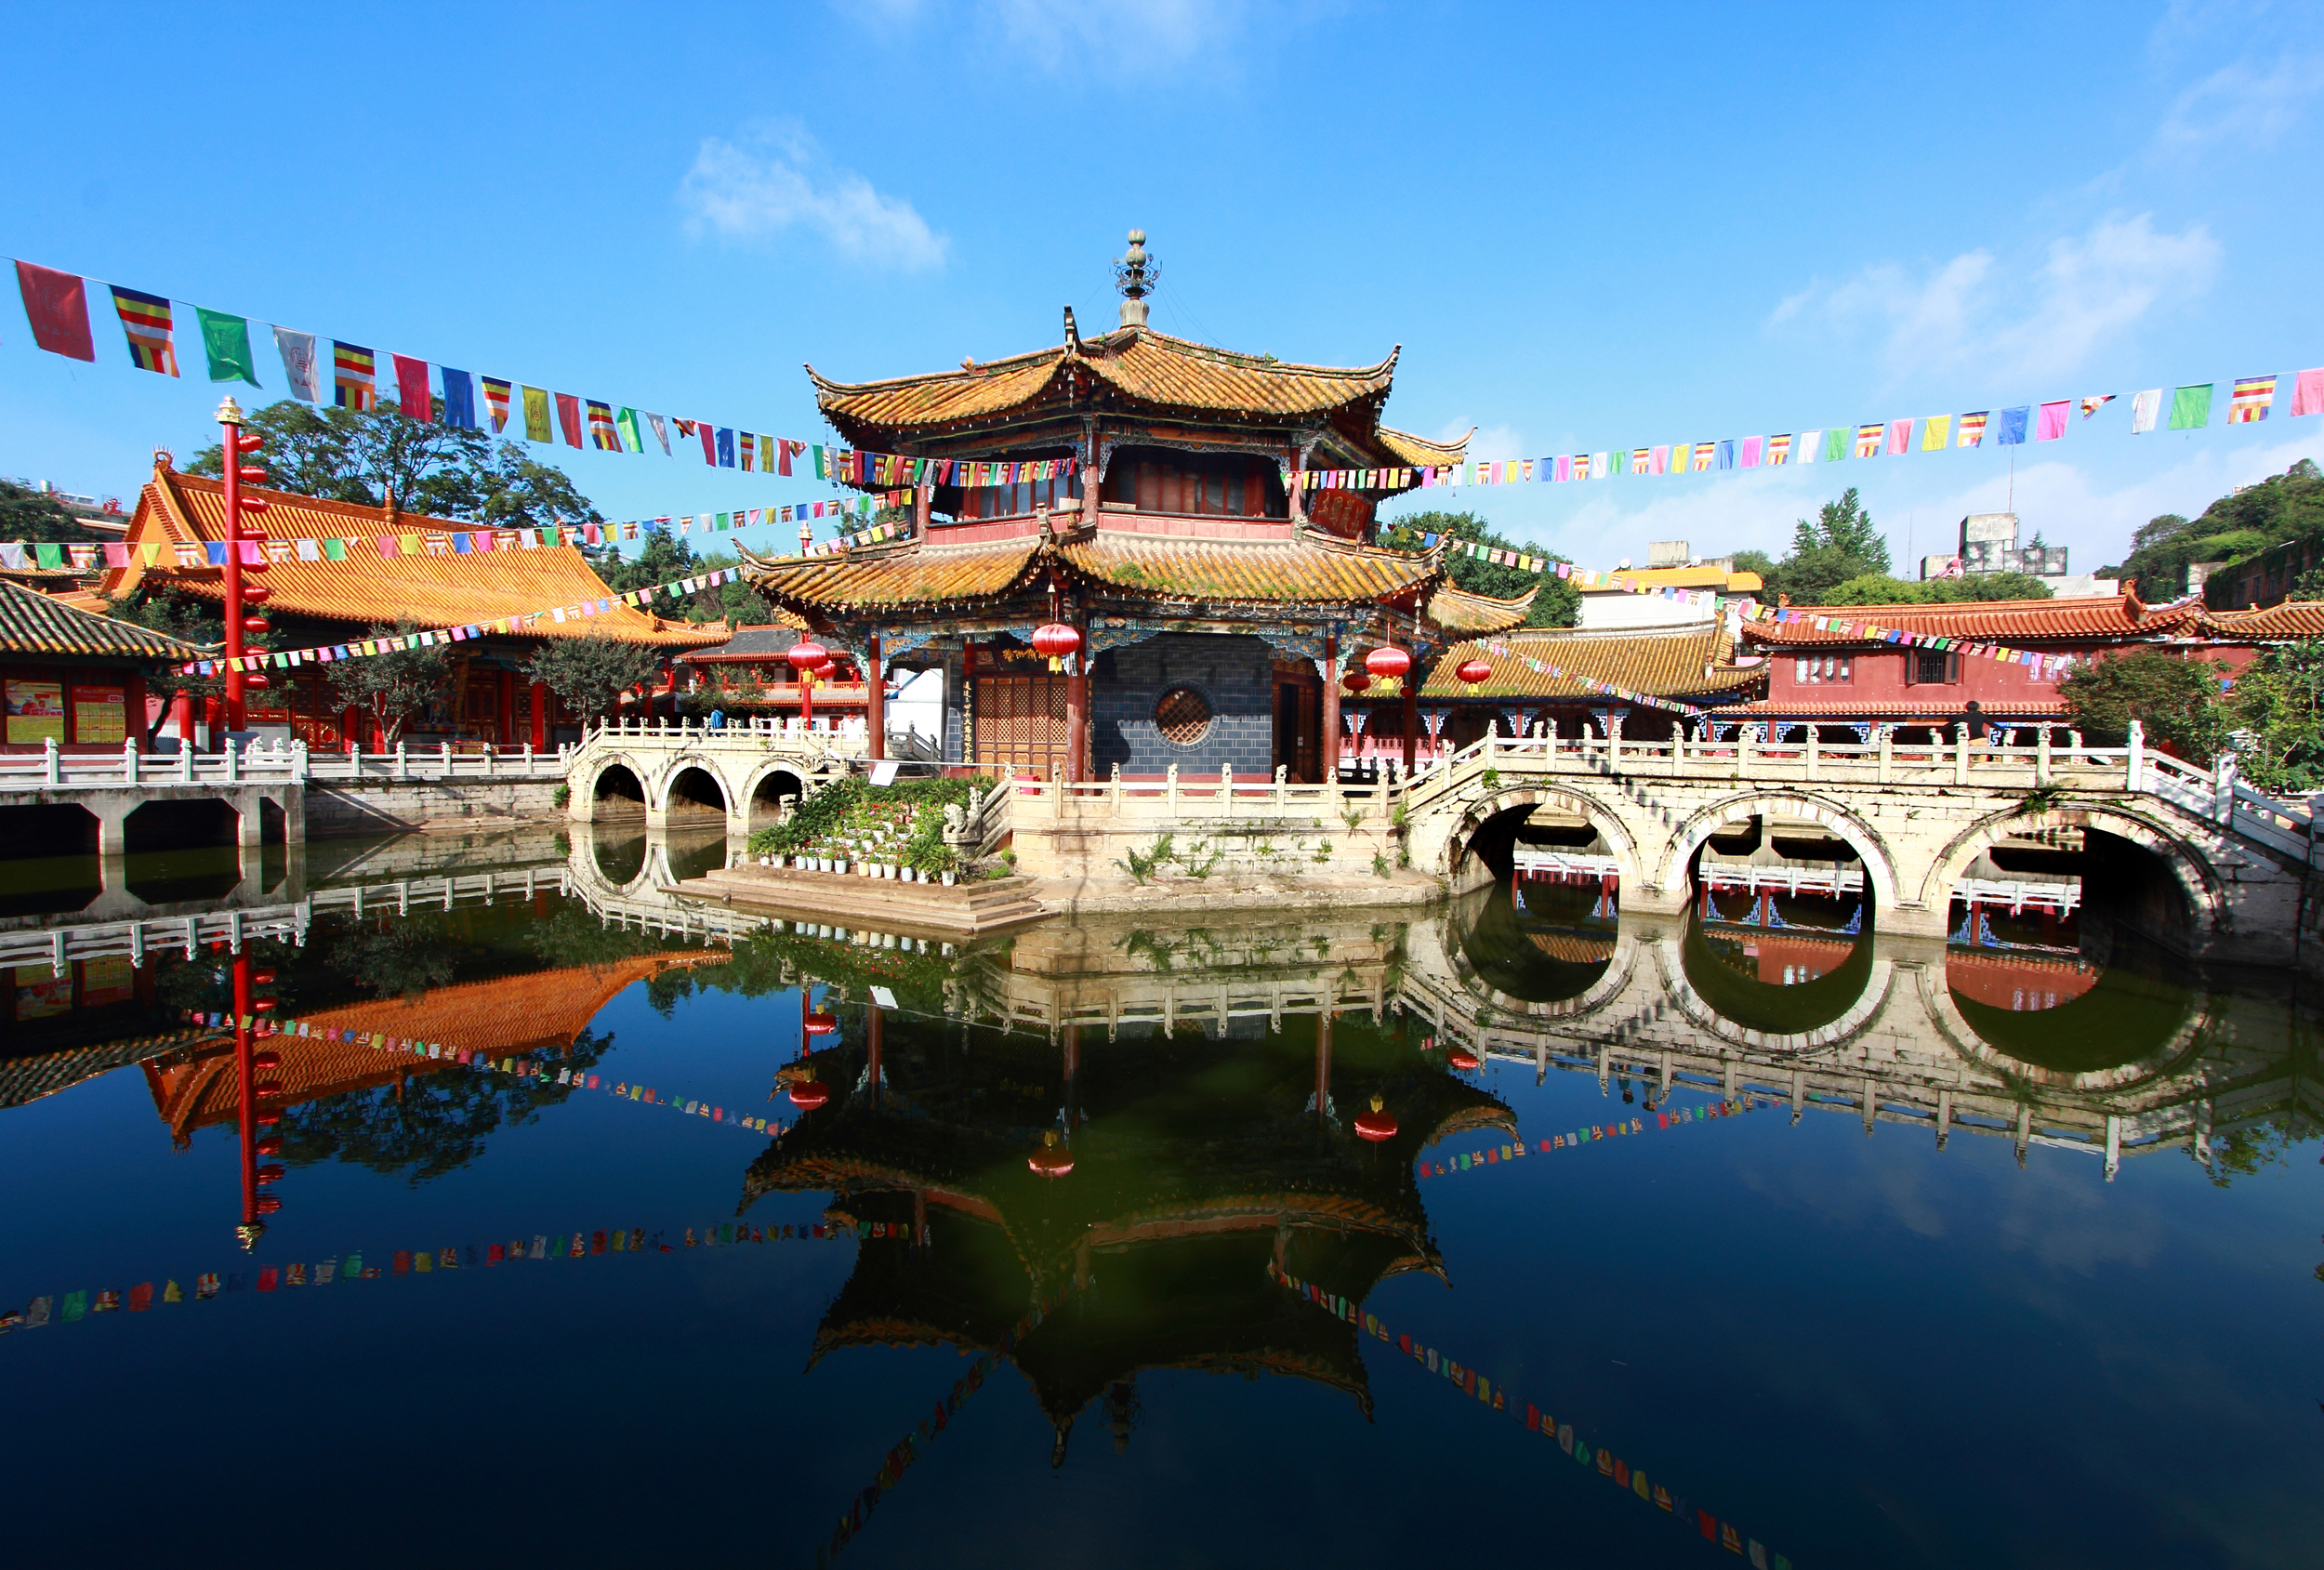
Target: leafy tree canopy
{"points": [[2178, 701], [1839, 543], [391, 686], [1878, 588], [591, 673], [2284, 507], [27, 514], [1558, 604], [344, 454], [2278, 708]]}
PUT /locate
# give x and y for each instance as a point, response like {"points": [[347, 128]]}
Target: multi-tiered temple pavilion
{"points": [[1218, 599]]}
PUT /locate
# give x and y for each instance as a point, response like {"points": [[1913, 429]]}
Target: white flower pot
{"points": [[947, 881]]}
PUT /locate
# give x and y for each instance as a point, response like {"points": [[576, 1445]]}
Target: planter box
{"points": [[965, 910]]}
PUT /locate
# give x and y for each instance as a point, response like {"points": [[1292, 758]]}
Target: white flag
{"points": [[298, 363], [2145, 406], [1599, 467], [1808, 445], [661, 432]]}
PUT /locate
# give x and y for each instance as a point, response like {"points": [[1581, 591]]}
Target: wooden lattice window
{"points": [[1182, 716]]}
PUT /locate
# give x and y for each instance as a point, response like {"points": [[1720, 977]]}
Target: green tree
{"points": [[2278, 700], [1839, 543], [662, 557], [1754, 562], [27, 514], [1557, 604], [589, 674], [349, 455], [2177, 701], [394, 685], [1879, 589], [2284, 507], [183, 616]]}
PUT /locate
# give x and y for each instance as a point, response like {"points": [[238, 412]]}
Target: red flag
{"points": [[411, 388], [568, 418], [58, 309], [709, 444]]}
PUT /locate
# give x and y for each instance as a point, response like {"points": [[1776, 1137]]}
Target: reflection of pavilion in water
{"points": [[1206, 1135]]}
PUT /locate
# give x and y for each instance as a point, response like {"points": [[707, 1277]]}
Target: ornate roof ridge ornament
{"points": [[1137, 275]]}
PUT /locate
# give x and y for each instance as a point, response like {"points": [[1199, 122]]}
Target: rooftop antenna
{"points": [[1137, 276]]}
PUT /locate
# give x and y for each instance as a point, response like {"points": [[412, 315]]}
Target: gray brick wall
{"points": [[1235, 674]]}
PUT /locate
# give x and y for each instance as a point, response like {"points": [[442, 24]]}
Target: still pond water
{"points": [[1753, 1238]]}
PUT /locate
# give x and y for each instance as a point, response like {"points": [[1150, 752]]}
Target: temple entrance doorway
{"points": [[1298, 721], [1021, 720]]}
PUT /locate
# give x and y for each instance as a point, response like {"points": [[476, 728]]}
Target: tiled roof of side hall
{"points": [[1681, 662], [34, 623], [2293, 619], [2104, 617]]}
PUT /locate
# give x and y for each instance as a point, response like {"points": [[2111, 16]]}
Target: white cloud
{"points": [[783, 182], [1972, 314], [2239, 104], [1065, 37], [1491, 442]]}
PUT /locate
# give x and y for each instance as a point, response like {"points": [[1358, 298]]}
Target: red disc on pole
{"points": [[1376, 1124], [809, 1094]]}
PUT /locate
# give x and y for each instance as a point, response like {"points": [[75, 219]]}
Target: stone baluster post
{"points": [[2134, 760]]}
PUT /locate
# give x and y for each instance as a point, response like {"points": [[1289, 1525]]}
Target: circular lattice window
{"points": [[1183, 717]]}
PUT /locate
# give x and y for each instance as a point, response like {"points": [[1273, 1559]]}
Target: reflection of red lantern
{"points": [[271, 1172], [1052, 1160], [266, 1059], [820, 1023], [1356, 681], [1474, 671], [809, 1094], [271, 1145], [269, 1088], [1387, 661], [1462, 1059], [1055, 641], [268, 1205], [1375, 1125]]}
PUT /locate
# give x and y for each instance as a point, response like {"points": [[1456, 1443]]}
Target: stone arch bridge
{"points": [[664, 771]]}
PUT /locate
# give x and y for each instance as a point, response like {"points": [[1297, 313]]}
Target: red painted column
{"points": [[540, 716], [1411, 715], [508, 709], [876, 700], [1331, 708]]}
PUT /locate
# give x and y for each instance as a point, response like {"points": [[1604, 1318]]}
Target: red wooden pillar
{"points": [[352, 729], [1077, 713], [508, 708], [876, 700], [1331, 708], [1411, 714], [540, 716], [181, 713]]}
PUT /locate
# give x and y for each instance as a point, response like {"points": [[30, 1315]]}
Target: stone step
{"points": [[965, 910]]}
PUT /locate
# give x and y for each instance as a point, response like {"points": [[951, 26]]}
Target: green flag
{"points": [[334, 550], [1835, 444], [2190, 407], [226, 341], [48, 555], [631, 438], [536, 416]]}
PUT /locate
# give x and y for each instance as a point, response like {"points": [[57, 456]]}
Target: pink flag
{"points": [[1899, 436], [411, 389], [2052, 425], [116, 556], [58, 308], [2307, 393], [1750, 451]]}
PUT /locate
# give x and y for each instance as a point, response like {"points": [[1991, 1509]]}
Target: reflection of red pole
{"points": [[246, 1075], [873, 1031], [1323, 1063]]}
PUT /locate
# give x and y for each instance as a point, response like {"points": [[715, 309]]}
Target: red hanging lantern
{"points": [[271, 1145], [268, 1205], [1474, 671], [1356, 681], [820, 1023], [1055, 641], [1462, 1059], [1387, 661], [809, 1094], [1052, 1160], [807, 655], [1375, 1125]]}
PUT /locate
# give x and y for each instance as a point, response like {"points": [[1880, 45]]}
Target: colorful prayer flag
{"points": [[1899, 438], [2249, 403], [661, 433], [412, 400], [57, 305], [2145, 407], [1936, 431], [537, 426], [1779, 451], [2010, 432], [1703, 454], [145, 322], [568, 418], [1659, 462], [1971, 429], [300, 367], [459, 399], [1868, 439], [725, 447], [1642, 461], [2052, 424], [627, 423], [2095, 401], [352, 378], [2190, 406], [1836, 443], [226, 344], [1723, 454], [601, 432]]}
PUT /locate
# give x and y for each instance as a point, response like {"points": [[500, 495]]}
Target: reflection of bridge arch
{"points": [[1492, 804], [1936, 995], [2193, 874], [665, 787], [1608, 986], [1880, 864], [1851, 1022]]}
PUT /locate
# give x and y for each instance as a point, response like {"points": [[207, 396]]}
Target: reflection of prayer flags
{"points": [[1779, 451], [145, 322], [2249, 403], [353, 382], [1899, 437], [537, 428], [459, 399], [411, 389], [299, 367], [2095, 401], [568, 418], [601, 432], [1936, 431], [2190, 407], [56, 306], [1868, 439], [2144, 409], [2307, 393], [2052, 424], [226, 344], [2010, 432]]}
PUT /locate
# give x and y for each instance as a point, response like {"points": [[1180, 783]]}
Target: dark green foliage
{"points": [[2177, 701], [589, 674], [827, 812], [664, 557], [1558, 604], [2280, 699], [179, 616], [1839, 543], [1878, 588], [393, 686], [27, 514], [344, 455], [2284, 507]]}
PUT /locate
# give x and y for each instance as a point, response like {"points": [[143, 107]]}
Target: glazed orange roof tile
{"points": [[2293, 619], [2111, 618]]}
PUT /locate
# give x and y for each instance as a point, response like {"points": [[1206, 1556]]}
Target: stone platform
{"points": [[931, 910]]}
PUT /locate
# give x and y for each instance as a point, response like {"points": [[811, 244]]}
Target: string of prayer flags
{"points": [[1468, 1161], [1471, 1382]]}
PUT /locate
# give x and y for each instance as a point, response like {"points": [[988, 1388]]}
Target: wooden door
{"points": [[1021, 720]]}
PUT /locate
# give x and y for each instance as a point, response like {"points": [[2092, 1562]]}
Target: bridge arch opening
{"points": [[50, 852], [694, 792], [1538, 838], [617, 789], [775, 795], [1781, 862], [1536, 942], [2067, 882]]}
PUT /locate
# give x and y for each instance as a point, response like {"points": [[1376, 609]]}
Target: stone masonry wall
{"points": [[387, 808], [1236, 675]]}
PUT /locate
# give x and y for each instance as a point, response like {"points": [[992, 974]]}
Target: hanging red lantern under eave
{"points": [[1387, 661], [1474, 671], [1375, 1125], [1356, 681], [1052, 1160], [1462, 1059], [807, 655], [1055, 641]]}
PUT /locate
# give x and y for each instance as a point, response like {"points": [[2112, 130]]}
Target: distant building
{"points": [[1679, 580], [1988, 544]]}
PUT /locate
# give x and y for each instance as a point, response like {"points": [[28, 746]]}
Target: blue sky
{"points": [[1587, 228]]}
